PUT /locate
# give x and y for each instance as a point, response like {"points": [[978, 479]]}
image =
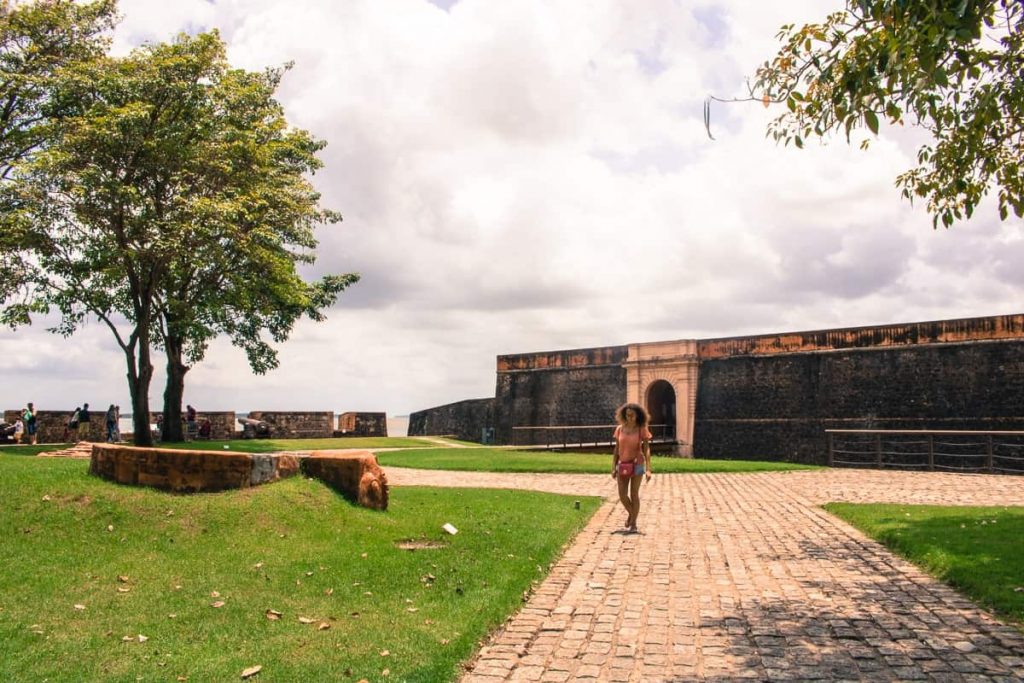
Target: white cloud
{"points": [[528, 176]]}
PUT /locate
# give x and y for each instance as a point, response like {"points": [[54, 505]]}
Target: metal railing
{"points": [[950, 450], [580, 436]]}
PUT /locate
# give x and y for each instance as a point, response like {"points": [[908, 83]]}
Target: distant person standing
{"points": [[72, 428], [84, 419], [117, 424], [29, 418], [111, 422], [190, 422]]}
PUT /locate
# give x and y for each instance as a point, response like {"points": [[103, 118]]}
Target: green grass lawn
{"points": [[257, 445], [977, 550], [506, 460], [275, 445], [87, 566]]}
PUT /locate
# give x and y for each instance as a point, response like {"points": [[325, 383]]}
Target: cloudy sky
{"points": [[535, 175]]}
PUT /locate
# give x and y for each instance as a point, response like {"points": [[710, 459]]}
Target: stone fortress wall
{"points": [[767, 396], [223, 424]]}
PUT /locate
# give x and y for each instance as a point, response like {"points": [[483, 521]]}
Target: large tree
{"points": [[953, 67], [252, 175], [38, 42], [170, 201]]}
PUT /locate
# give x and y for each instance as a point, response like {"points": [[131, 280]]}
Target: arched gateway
{"points": [[662, 377]]}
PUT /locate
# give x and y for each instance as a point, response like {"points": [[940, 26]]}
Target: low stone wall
{"points": [[297, 425], [223, 423], [52, 425], [467, 420], [188, 471], [363, 424], [357, 476]]}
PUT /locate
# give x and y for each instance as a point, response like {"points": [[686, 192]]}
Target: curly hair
{"points": [[641, 414]]}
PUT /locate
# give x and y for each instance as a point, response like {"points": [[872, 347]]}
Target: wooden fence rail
{"points": [[935, 449], [579, 436]]}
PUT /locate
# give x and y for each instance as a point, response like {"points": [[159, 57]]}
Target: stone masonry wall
{"points": [[297, 425], [363, 424], [580, 387], [776, 407], [52, 425], [465, 420]]}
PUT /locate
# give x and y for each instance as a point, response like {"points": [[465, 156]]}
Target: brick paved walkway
{"points": [[743, 577]]}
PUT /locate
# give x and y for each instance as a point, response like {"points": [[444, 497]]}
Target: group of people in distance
{"points": [[26, 425]]}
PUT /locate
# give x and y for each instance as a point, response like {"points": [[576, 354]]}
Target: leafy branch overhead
{"points": [[951, 67]]}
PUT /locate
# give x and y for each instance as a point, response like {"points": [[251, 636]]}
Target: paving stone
{"points": [[745, 577]]}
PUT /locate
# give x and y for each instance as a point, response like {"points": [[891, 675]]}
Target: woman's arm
{"points": [[615, 452], [645, 449]]}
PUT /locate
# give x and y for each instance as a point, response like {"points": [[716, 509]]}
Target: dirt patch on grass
{"points": [[419, 544]]}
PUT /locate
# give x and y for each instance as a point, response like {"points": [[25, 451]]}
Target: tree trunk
{"points": [[174, 391], [140, 373]]}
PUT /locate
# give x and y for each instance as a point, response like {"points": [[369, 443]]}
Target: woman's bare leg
{"points": [[624, 483], [634, 495]]}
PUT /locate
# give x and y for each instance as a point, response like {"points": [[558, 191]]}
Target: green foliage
{"points": [[294, 546], [975, 549], [952, 68], [39, 41], [172, 202]]}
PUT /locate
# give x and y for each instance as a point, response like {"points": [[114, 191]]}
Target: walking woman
{"points": [[631, 460]]}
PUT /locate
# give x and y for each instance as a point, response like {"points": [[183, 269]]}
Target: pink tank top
{"points": [[629, 444]]}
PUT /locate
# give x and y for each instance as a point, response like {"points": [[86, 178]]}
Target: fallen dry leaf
{"points": [[309, 573], [172, 616], [385, 672], [251, 671], [110, 527], [323, 626], [126, 639], [273, 614], [306, 620], [122, 578], [445, 641], [385, 653], [428, 622], [122, 589], [46, 497], [412, 609], [258, 565], [214, 594], [142, 638], [363, 555], [329, 591], [219, 603], [79, 606]]}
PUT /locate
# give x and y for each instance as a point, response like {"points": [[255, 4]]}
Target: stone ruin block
{"points": [[362, 424], [356, 476]]}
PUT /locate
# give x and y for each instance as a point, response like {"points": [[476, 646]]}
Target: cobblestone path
{"points": [[740, 577]]}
